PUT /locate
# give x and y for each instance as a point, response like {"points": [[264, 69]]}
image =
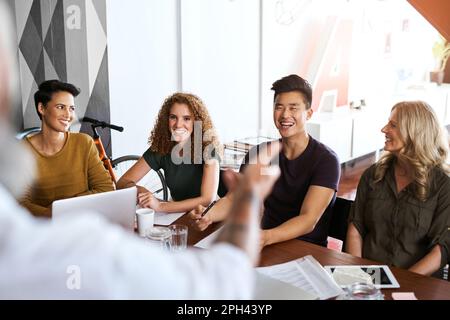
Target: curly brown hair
{"points": [[160, 138]]}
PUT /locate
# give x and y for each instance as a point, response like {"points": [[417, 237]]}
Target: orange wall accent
{"points": [[437, 13], [335, 71]]}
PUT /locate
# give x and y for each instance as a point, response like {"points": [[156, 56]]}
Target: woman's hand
{"points": [[141, 189], [199, 222], [264, 239], [146, 199]]}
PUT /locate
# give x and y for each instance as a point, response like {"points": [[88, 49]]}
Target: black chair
{"points": [[339, 219], [442, 273], [222, 190], [445, 270]]}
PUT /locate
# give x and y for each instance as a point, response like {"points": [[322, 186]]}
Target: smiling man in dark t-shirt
{"points": [[300, 203]]}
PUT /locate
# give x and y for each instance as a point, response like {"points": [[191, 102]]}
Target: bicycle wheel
{"points": [[153, 181], [29, 131]]}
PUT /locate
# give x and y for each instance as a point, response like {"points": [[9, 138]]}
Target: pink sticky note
{"points": [[403, 296], [334, 244]]}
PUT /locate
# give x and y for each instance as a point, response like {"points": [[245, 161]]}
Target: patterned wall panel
{"points": [[65, 40]]}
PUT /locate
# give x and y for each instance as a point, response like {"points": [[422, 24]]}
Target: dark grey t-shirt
{"points": [[318, 165]]}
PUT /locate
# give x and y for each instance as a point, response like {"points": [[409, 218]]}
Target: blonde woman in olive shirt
{"points": [[68, 163], [401, 214]]}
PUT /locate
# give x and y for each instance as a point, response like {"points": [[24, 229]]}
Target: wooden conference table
{"points": [[425, 288]]}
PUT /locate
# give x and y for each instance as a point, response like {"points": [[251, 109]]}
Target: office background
{"points": [[128, 56]]}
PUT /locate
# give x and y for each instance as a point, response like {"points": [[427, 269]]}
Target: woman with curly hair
{"points": [[184, 144], [401, 214]]}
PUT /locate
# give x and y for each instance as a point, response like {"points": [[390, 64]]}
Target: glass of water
{"points": [[362, 291], [179, 237]]}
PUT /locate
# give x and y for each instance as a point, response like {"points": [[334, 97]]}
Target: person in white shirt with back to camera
{"points": [[87, 258]]}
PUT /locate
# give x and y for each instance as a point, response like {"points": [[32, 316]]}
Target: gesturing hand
{"points": [[250, 189]]}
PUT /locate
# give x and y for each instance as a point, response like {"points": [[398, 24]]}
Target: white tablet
{"points": [[381, 275]]}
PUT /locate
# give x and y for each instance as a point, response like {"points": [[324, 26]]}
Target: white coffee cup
{"points": [[145, 220]]}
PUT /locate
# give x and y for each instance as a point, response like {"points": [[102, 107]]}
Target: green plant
{"points": [[441, 52]]}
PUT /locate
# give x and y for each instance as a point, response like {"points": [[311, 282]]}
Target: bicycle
{"points": [[154, 181]]}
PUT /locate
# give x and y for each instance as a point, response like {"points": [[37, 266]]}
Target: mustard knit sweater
{"points": [[75, 170]]}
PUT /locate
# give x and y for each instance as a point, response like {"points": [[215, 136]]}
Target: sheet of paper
{"points": [[267, 288], [165, 219], [307, 274], [206, 242]]}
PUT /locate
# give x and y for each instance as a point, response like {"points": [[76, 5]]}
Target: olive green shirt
{"points": [[397, 228]]}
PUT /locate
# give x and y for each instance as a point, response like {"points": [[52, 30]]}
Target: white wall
{"points": [[374, 74], [215, 55], [220, 61], [286, 31], [229, 52], [143, 67]]}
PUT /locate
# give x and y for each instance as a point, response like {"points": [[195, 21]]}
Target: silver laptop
{"points": [[116, 206]]}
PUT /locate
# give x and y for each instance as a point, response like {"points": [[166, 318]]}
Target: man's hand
{"points": [[250, 189]]}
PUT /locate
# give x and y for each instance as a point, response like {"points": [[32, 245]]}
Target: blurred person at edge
{"points": [[88, 258], [54, 147]]}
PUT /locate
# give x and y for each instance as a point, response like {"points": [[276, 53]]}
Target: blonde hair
{"points": [[425, 146], [160, 137]]}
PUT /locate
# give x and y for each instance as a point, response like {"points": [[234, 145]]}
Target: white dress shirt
{"points": [[86, 258]]}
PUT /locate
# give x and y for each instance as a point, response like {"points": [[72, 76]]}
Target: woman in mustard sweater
{"points": [[68, 163]]}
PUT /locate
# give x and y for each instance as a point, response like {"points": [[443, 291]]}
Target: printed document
{"points": [[307, 274], [267, 288]]}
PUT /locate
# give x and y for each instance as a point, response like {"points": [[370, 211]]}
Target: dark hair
{"points": [[48, 88], [293, 83]]}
